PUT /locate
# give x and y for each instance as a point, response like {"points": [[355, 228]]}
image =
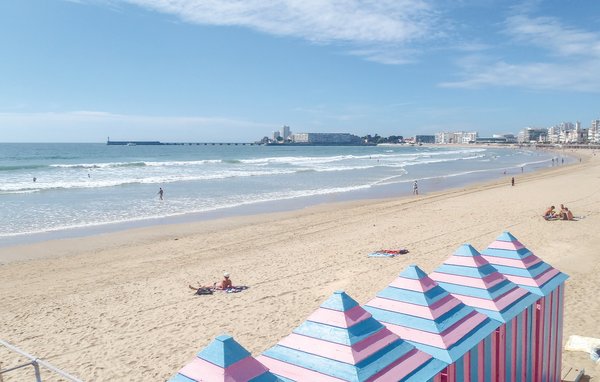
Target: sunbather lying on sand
{"points": [[224, 284]]}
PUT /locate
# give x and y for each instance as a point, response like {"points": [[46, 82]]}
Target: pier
{"points": [[158, 143]]}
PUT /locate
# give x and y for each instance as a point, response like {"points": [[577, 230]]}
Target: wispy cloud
{"points": [[569, 58], [91, 116], [375, 29], [549, 33], [94, 123]]}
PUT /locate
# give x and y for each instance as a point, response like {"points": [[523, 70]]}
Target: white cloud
{"points": [[550, 34], [375, 29], [541, 76], [571, 60]]}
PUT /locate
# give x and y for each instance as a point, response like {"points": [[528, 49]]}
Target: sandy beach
{"points": [[117, 307]]}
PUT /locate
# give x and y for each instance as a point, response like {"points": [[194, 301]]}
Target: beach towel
{"points": [[381, 254], [388, 253], [585, 344], [202, 291], [233, 289], [236, 289]]}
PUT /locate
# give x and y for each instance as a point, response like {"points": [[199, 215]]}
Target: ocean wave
{"points": [[100, 165], [187, 163], [534, 162], [24, 191], [87, 183], [21, 167]]}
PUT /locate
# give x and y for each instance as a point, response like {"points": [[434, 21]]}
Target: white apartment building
{"points": [[286, 133], [594, 132], [456, 137], [530, 134], [326, 138]]}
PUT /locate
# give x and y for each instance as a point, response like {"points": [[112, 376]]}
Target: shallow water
{"points": [[91, 185]]}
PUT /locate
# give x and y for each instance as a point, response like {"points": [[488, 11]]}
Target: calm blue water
{"points": [[85, 185]]}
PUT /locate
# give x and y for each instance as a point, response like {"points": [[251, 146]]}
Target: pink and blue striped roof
{"points": [[224, 360], [471, 279], [340, 341], [420, 311], [521, 266]]}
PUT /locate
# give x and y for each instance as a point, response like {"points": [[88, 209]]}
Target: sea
{"points": [[58, 190]]}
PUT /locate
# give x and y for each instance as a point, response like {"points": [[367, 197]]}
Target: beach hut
{"points": [[423, 313], [340, 341], [522, 267], [471, 279], [224, 360]]}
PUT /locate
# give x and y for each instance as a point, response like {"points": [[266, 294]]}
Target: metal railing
{"points": [[36, 363]]}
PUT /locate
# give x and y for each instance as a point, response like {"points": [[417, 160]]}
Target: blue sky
{"points": [[210, 70]]}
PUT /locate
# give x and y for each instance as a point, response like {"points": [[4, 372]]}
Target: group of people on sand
{"points": [[563, 214]]}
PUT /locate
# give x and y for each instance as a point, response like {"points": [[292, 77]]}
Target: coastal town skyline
{"points": [[82, 70]]}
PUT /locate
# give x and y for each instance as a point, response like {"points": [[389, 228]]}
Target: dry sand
{"points": [[116, 307]]}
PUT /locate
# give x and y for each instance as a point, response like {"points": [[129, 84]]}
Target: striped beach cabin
{"points": [[471, 279], [522, 267], [418, 310], [341, 341], [224, 360]]}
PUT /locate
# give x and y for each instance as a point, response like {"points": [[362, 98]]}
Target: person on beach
{"points": [[550, 213], [512, 181], [568, 215], [224, 284], [565, 213], [561, 213], [160, 193], [415, 188]]}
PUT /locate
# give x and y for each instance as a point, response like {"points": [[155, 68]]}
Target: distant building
{"points": [[509, 138], [286, 133], [425, 138], [443, 137], [326, 138], [458, 137], [276, 135], [530, 134], [594, 132]]}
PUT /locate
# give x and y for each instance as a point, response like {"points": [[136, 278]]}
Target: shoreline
{"points": [[98, 306], [374, 193], [28, 246]]}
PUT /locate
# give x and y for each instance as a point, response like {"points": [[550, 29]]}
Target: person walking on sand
{"points": [[160, 193], [512, 181], [415, 188]]}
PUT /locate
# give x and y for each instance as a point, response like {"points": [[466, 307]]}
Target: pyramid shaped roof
{"points": [[521, 266], [224, 360], [423, 313], [470, 278], [341, 341]]}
